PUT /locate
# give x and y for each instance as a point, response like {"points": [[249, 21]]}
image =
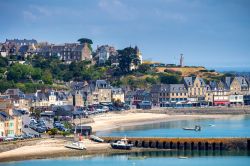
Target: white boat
{"points": [[96, 139], [196, 128], [76, 145], [122, 144], [182, 157], [211, 125]]}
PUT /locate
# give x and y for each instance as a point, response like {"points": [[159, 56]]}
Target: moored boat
{"points": [[96, 139], [121, 144], [196, 128], [76, 145]]}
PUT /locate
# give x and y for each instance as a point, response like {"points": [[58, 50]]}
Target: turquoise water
{"points": [[235, 126], [145, 159]]}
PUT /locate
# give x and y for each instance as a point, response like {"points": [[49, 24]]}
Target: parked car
{"points": [[33, 121], [9, 139], [18, 137]]}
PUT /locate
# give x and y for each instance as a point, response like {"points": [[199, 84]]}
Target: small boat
{"points": [[211, 125], [122, 144], [196, 128], [76, 145], [137, 158], [182, 157], [96, 139]]}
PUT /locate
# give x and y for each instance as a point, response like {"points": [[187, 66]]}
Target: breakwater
{"points": [[198, 110], [199, 144]]}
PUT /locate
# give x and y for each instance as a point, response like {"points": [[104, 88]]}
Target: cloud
{"points": [[118, 10], [171, 16], [29, 16], [42, 11]]}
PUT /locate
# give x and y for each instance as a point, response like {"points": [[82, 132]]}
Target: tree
{"points": [[3, 62], [47, 77], [143, 68], [169, 79], [19, 72], [85, 40], [127, 56]]}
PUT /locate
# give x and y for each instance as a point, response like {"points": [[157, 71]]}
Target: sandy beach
{"points": [[52, 147], [114, 120]]}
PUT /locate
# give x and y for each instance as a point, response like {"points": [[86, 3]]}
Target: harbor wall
{"points": [[199, 144]]}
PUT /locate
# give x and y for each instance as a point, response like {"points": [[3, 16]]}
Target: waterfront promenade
{"points": [[54, 147]]}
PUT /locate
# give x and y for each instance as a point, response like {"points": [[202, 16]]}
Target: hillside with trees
{"points": [[40, 72]]}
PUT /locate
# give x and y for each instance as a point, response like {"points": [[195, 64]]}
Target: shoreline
{"points": [[54, 147], [111, 121]]}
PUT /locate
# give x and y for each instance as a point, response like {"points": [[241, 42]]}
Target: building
{"points": [[118, 95], [78, 100], [129, 98], [246, 99], [209, 98], [104, 52], [96, 92], [135, 63], [141, 96], [104, 91], [21, 42], [220, 92], [68, 52], [3, 50], [170, 95], [196, 88], [239, 85], [7, 127]]}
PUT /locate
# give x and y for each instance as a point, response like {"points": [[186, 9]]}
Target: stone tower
{"points": [[181, 60]]}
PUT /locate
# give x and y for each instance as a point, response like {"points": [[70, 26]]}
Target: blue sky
{"points": [[211, 33]]}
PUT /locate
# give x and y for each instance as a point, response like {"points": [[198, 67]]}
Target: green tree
{"points": [[3, 62], [169, 79], [85, 40], [127, 56], [143, 68], [19, 72], [47, 77]]}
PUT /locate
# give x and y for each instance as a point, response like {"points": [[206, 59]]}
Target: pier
{"points": [[199, 144]]}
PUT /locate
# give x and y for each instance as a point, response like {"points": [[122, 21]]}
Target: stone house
{"points": [[196, 88], [118, 95], [220, 92], [169, 95], [239, 85]]}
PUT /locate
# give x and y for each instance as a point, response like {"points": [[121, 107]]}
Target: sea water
{"points": [[233, 126]]}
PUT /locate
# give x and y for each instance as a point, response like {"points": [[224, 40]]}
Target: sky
{"points": [[210, 33]]}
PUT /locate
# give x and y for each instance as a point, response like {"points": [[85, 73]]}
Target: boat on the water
{"points": [[211, 125], [182, 157], [137, 158], [96, 139], [196, 128], [76, 145], [121, 144]]}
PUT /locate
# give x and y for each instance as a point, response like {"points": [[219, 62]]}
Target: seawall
{"points": [[193, 110], [199, 144]]}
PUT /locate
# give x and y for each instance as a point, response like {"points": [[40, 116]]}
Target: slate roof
{"points": [[4, 116], [188, 81], [242, 81], [169, 88]]}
